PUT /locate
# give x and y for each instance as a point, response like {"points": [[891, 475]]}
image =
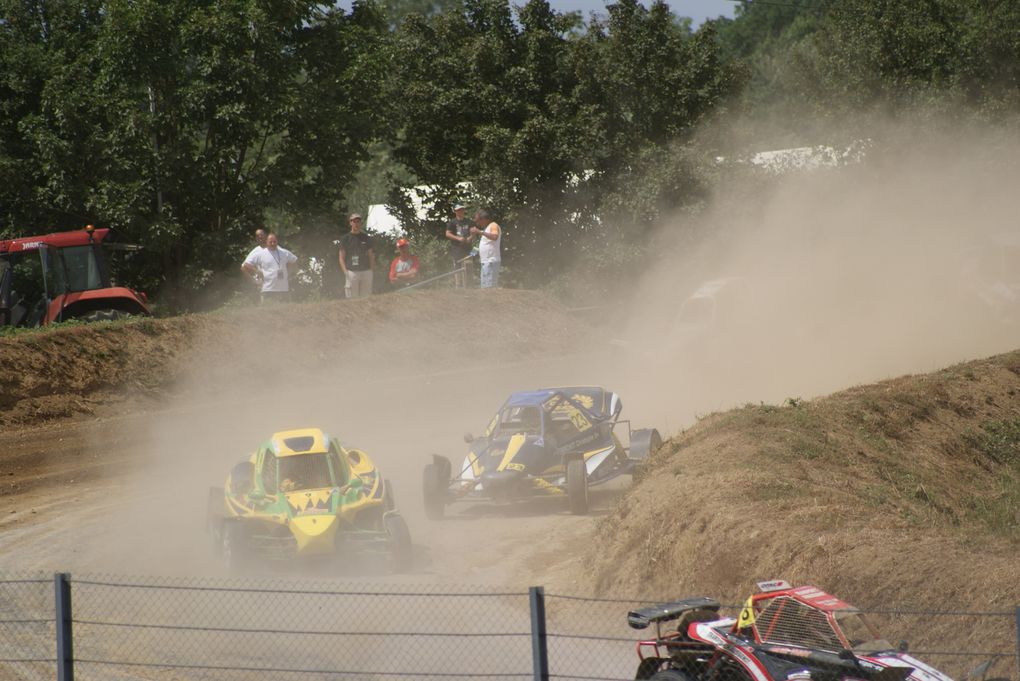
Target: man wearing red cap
{"points": [[404, 268]]}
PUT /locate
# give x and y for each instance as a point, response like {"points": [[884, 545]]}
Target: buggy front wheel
{"points": [[434, 487], [670, 675], [400, 541], [214, 513], [235, 547], [577, 486], [648, 668]]}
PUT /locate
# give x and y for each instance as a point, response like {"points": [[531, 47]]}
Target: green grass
{"points": [[999, 512], [997, 440], [28, 332]]}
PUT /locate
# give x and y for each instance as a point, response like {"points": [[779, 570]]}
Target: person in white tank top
{"points": [[488, 248]]}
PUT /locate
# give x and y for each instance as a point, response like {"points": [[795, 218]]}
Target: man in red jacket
{"points": [[404, 268]]}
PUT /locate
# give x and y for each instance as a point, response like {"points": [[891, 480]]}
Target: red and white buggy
{"points": [[783, 633]]}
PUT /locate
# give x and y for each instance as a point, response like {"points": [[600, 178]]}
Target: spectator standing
{"points": [[357, 260], [260, 243], [458, 231], [404, 268], [488, 248], [269, 266]]}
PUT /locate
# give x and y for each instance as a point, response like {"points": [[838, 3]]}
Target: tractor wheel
{"points": [[104, 315], [577, 486], [400, 541], [434, 487]]}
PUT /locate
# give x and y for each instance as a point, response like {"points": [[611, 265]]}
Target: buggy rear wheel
{"points": [[434, 486], [400, 541], [577, 486], [644, 442]]}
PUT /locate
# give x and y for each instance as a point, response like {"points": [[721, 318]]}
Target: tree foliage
{"points": [[185, 123], [543, 118], [182, 122]]}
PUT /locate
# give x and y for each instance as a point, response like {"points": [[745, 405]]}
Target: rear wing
{"points": [[667, 612]]}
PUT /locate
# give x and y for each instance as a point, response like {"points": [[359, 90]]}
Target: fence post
{"points": [[540, 654], [65, 652], [1018, 637]]}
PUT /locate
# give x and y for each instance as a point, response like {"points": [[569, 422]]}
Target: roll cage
{"points": [[305, 470]]}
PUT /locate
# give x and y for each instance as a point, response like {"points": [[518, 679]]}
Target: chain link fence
{"points": [[117, 628], [27, 627]]}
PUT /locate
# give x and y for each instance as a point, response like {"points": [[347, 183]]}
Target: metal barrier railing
{"points": [[438, 277], [166, 627]]}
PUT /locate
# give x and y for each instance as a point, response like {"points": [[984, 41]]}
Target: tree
{"points": [[544, 117], [957, 54], [182, 122]]}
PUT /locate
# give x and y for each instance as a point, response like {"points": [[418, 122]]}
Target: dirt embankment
{"points": [[899, 493], [70, 371]]}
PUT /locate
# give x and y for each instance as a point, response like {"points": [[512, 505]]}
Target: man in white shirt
{"points": [[269, 266], [488, 248], [260, 243]]}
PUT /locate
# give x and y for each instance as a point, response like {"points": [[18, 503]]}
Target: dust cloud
{"points": [[398, 391], [830, 278], [816, 280]]}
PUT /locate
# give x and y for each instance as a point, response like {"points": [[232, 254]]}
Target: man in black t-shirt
{"points": [[458, 231], [357, 260]]}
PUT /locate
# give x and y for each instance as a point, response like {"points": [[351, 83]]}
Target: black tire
{"points": [[389, 501], [643, 443], [434, 486], [670, 675], [235, 546], [577, 486], [214, 514], [400, 541], [648, 668], [104, 315]]}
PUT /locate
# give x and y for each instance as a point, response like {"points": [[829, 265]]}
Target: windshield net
{"points": [[304, 471], [859, 632], [785, 620]]}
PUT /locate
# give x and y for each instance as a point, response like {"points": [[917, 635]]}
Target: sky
{"points": [[697, 10]]}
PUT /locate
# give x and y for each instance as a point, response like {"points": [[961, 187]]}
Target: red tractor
{"points": [[63, 276]]}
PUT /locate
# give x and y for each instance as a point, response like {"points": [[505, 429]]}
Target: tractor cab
{"points": [[63, 276]]}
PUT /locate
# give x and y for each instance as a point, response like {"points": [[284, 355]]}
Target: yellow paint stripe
{"points": [[512, 447]]}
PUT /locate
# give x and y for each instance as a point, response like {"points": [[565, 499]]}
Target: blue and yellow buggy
{"points": [[549, 442]]}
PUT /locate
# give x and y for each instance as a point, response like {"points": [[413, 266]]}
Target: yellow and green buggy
{"points": [[303, 496]]}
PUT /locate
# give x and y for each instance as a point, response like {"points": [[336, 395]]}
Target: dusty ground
{"points": [[148, 415], [886, 494], [901, 494]]}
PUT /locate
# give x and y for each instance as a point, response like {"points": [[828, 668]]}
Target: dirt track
{"points": [[123, 489]]}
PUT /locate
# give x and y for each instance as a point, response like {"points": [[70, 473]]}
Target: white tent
{"points": [[382, 221]]}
